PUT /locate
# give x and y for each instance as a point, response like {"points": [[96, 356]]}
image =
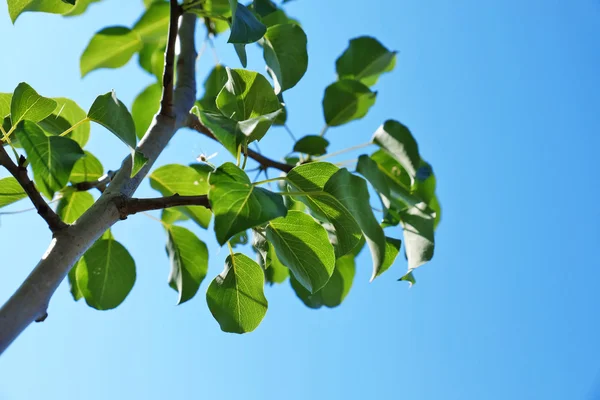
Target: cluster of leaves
{"points": [[310, 230]]}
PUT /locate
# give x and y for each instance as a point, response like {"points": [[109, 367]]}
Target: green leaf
{"points": [[52, 157], [105, 274], [10, 191], [311, 179], [246, 95], [239, 239], [256, 128], [5, 100], [278, 17], [336, 289], [154, 24], [240, 50], [313, 145], [397, 140], [225, 130], [74, 289], [189, 262], [369, 169], [345, 101], [112, 114], [67, 114], [275, 271], [80, 7], [245, 27], [365, 60], [17, 7], [27, 104], [285, 52], [236, 297], [111, 47], [138, 162], [353, 193], [303, 246], [264, 7], [418, 226], [237, 204], [398, 177], [152, 58], [73, 204], [186, 181], [86, 169], [409, 277], [171, 215], [392, 248], [212, 86], [144, 107]]}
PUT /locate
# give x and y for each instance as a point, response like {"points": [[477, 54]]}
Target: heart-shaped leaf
{"points": [[27, 104]]}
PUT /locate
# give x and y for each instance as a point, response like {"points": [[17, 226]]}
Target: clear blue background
{"points": [[504, 100]]}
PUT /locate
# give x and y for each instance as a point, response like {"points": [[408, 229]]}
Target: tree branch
{"points": [[133, 205], [19, 172], [29, 303], [195, 124], [166, 102], [100, 184]]}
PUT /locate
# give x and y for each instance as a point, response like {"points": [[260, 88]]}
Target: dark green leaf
{"points": [[52, 157], [397, 140], [186, 181], [111, 113], [212, 86], [311, 179], [111, 47], [144, 107], [353, 193], [345, 101], [313, 145], [369, 169], [154, 24], [277, 18], [224, 129], [73, 204], [303, 246], [86, 169], [286, 55], [336, 289], [240, 50], [10, 191], [245, 28], [264, 7], [365, 60], [189, 262], [105, 274], [236, 297], [237, 204], [66, 115], [27, 104]]}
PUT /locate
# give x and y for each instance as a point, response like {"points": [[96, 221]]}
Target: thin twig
{"points": [[19, 172], [134, 205], [194, 123]]}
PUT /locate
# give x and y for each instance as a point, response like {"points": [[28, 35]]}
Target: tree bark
{"points": [[30, 302]]}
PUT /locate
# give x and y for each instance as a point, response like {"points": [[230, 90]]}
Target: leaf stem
{"points": [[324, 130], [230, 250], [346, 150], [289, 131], [75, 126], [279, 178]]}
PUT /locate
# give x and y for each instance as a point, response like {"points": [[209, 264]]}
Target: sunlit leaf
{"points": [[73, 204], [27, 104], [111, 47], [111, 113], [365, 60], [66, 115], [286, 55], [10, 191], [144, 107]]}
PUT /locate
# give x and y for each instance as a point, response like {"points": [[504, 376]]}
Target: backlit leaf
{"points": [[111, 47], [111, 113]]}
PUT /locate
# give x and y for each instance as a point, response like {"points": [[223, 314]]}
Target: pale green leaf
{"points": [[66, 115], [154, 23], [27, 104], [86, 169], [10, 191], [397, 140], [111, 47], [73, 204], [144, 107]]}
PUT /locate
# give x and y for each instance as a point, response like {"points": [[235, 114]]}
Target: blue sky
{"points": [[503, 99]]}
